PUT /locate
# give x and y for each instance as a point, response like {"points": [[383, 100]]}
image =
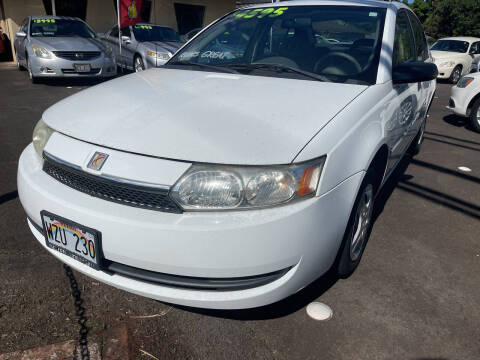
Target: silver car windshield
{"points": [[60, 27], [155, 33], [326, 43]]}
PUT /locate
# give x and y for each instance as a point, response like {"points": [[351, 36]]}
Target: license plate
{"points": [[72, 239], [82, 67]]}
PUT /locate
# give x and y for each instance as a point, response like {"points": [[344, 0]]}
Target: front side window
{"points": [[475, 49], [451, 45], [403, 49], [155, 33], [331, 43], [60, 28], [421, 45]]}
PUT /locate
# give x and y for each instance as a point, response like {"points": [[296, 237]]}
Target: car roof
{"points": [[372, 3], [462, 38]]}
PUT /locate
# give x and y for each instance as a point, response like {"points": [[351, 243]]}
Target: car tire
{"points": [[358, 228], [456, 74], [33, 79], [416, 145], [19, 66], [475, 116], [138, 64]]}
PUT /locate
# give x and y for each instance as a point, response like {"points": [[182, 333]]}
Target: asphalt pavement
{"points": [[415, 296]]}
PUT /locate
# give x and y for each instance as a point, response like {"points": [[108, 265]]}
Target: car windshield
{"points": [[451, 45], [60, 27], [326, 43], [155, 33]]}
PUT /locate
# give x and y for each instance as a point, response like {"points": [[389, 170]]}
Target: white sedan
{"points": [[465, 99], [242, 170]]}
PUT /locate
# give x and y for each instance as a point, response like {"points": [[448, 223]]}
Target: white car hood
{"points": [[446, 55], [202, 116]]}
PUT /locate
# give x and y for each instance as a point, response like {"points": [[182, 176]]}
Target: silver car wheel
{"points": [[139, 64], [478, 116], [456, 75], [29, 68], [363, 218]]}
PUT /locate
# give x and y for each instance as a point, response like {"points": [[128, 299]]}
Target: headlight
{"points": [[41, 52], [159, 55], [447, 64], [41, 134], [464, 82], [108, 51], [218, 187]]}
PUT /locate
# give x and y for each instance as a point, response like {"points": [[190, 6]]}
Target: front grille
{"points": [[73, 71], [77, 55], [196, 283], [110, 190]]}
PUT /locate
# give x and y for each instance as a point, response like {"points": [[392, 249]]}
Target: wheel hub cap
{"points": [[363, 218]]}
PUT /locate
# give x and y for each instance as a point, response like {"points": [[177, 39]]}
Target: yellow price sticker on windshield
{"points": [[144, 27], [261, 13], [43, 21]]}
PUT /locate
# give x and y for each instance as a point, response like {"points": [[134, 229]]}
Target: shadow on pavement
{"points": [[458, 121], [9, 196]]}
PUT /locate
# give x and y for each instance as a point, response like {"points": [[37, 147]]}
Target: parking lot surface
{"points": [[415, 295]]}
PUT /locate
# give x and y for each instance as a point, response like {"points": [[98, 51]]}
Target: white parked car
{"points": [[465, 99], [454, 56], [244, 169]]}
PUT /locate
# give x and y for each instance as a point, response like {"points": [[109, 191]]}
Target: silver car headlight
{"points": [[159, 55], [41, 134], [219, 187], [41, 52]]}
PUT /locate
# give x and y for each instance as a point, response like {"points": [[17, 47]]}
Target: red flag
{"points": [[130, 12]]}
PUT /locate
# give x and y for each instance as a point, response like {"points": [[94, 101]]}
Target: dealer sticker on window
{"points": [[261, 13]]}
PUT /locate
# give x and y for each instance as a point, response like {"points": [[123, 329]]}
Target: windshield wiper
{"points": [[279, 69], [205, 66]]}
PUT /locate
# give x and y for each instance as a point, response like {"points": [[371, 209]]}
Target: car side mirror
{"points": [[20, 33], [126, 39], [414, 72]]}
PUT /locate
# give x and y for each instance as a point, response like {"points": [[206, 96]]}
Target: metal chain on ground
{"points": [[80, 312]]}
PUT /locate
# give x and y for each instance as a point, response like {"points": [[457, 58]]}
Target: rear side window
{"points": [[420, 40], [404, 47]]}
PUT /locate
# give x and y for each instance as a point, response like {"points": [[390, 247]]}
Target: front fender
{"points": [[351, 139]]}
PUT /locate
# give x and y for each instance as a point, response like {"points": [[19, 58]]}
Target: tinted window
{"points": [[114, 32], [403, 50], [155, 33], [60, 27], [475, 49], [420, 40], [126, 32], [451, 45], [339, 43]]}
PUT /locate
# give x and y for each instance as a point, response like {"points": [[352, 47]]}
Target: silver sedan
{"points": [[144, 46], [57, 46]]}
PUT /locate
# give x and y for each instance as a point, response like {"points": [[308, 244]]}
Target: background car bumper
{"points": [[444, 72], [57, 67], [458, 102], [304, 236]]}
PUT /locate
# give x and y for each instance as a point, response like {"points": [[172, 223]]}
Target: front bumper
{"points": [[445, 72], [459, 100], [303, 237], [57, 67]]}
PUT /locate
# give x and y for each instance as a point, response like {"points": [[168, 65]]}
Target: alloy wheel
{"points": [[456, 75], [478, 116], [363, 218], [138, 64]]}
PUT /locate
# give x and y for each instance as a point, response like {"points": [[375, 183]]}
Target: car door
{"points": [[21, 42], [112, 40], [128, 47], [402, 101], [425, 88]]}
